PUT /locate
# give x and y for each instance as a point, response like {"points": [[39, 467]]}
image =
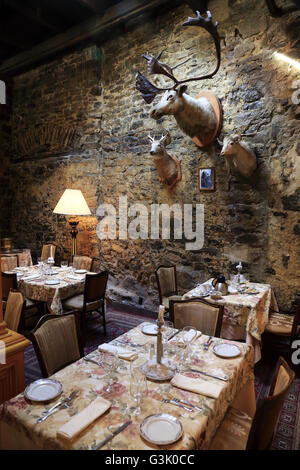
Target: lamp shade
{"points": [[72, 202]]}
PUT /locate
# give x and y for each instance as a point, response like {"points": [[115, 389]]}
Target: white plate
{"points": [[52, 282], [150, 329], [43, 390], [161, 429], [80, 271], [226, 350]]}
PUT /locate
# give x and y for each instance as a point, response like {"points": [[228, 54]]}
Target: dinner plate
{"points": [[80, 271], [150, 329], [226, 350], [52, 282], [161, 429], [43, 390]]}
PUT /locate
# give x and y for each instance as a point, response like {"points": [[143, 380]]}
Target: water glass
{"points": [[138, 388], [109, 365], [64, 264], [167, 330]]}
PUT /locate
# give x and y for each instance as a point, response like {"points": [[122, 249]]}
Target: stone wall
{"points": [[93, 124]]}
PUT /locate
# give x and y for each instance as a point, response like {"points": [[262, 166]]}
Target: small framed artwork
{"points": [[206, 179]]}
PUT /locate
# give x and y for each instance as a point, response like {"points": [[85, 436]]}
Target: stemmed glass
{"points": [[189, 333], [64, 264], [109, 365], [138, 388], [167, 330]]}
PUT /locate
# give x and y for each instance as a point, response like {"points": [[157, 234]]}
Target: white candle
{"points": [[51, 251], [161, 312]]}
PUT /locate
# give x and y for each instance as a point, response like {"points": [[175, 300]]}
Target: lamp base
{"points": [[74, 232]]}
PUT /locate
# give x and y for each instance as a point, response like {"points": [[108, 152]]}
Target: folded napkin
{"points": [[198, 385], [121, 352], [189, 336], [29, 278], [80, 421]]}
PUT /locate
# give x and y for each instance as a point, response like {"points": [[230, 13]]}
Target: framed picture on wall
{"points": [[206, 179]]}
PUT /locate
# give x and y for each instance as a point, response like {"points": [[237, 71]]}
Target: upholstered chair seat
{"points": [[56, 340], [82, 262], [77, 302], [198, 313]]}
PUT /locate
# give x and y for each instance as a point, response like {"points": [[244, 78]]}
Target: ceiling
{"points": [[34, 30]]}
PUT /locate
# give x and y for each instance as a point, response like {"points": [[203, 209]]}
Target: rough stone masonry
{"points": [[78, 122]]}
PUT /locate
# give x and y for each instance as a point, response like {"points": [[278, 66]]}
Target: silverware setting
{"points": [[86, 359], [189, 404], [125, 343], [224, 378], [174, 402], [61, 404], [207, 343], [113, 434]]}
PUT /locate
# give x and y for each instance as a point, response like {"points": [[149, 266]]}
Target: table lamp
{"points": [[72, 203]]}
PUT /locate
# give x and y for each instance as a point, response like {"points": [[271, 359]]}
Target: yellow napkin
{"points": [[80, 421], [198, 385], [121, 352], [189, 336]]}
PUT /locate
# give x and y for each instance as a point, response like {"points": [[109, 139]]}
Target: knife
{"points": [[173, 334], [114, 433], [225, 378]]}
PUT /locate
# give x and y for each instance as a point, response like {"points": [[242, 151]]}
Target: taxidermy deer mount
{"points": [[200, 117], [168, 166], [240, 158]]}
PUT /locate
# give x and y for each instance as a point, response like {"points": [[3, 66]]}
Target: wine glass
{"points": [[167, 330], [138, 388], [189, 334], [109, 365]]}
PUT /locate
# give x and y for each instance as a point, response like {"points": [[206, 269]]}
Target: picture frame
{"points": [[206, 179]]}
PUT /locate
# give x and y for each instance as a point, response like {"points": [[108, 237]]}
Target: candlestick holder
{"points": [[159, 368]]}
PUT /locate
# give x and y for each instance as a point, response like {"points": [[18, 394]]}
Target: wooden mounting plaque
{"points": [[217, 107]]}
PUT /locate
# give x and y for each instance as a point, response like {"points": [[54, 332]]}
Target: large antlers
{"points": [[148, 90]]}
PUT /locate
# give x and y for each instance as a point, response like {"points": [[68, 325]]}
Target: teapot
{"points": [[220, 284]]}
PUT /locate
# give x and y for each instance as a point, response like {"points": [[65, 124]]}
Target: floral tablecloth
{"points": [[36, 289], [19, 429], [244, 314]]}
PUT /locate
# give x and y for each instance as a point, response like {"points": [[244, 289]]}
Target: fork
{"points": [[207, 344], [54, 408], [173, 402], [189, 404], [86, 359]]}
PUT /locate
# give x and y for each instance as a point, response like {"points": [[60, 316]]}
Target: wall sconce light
{"points": [[287, 59]]}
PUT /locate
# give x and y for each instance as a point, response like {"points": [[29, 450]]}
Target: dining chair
{"points": [[239, 432], [46, 250], [57, 342], [93, 298], [283, 327], [14, 310], [82, 262], [166, 278], [198, 313], [24, 258], [8, 263], [9, 281]]}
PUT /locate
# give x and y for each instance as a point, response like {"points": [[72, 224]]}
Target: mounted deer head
{"points": [[240, 158], [197, 117], [168, 166]]}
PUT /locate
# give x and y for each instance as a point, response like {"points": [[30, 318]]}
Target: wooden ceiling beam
{"points": [[116, 15], [31, 14]]}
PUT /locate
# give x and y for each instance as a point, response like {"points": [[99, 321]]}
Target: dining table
{"points": [[246, 310], [59, 284], [232, 385]]}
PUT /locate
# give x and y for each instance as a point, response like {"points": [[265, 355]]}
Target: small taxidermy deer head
{"points": [[168, 166]]}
